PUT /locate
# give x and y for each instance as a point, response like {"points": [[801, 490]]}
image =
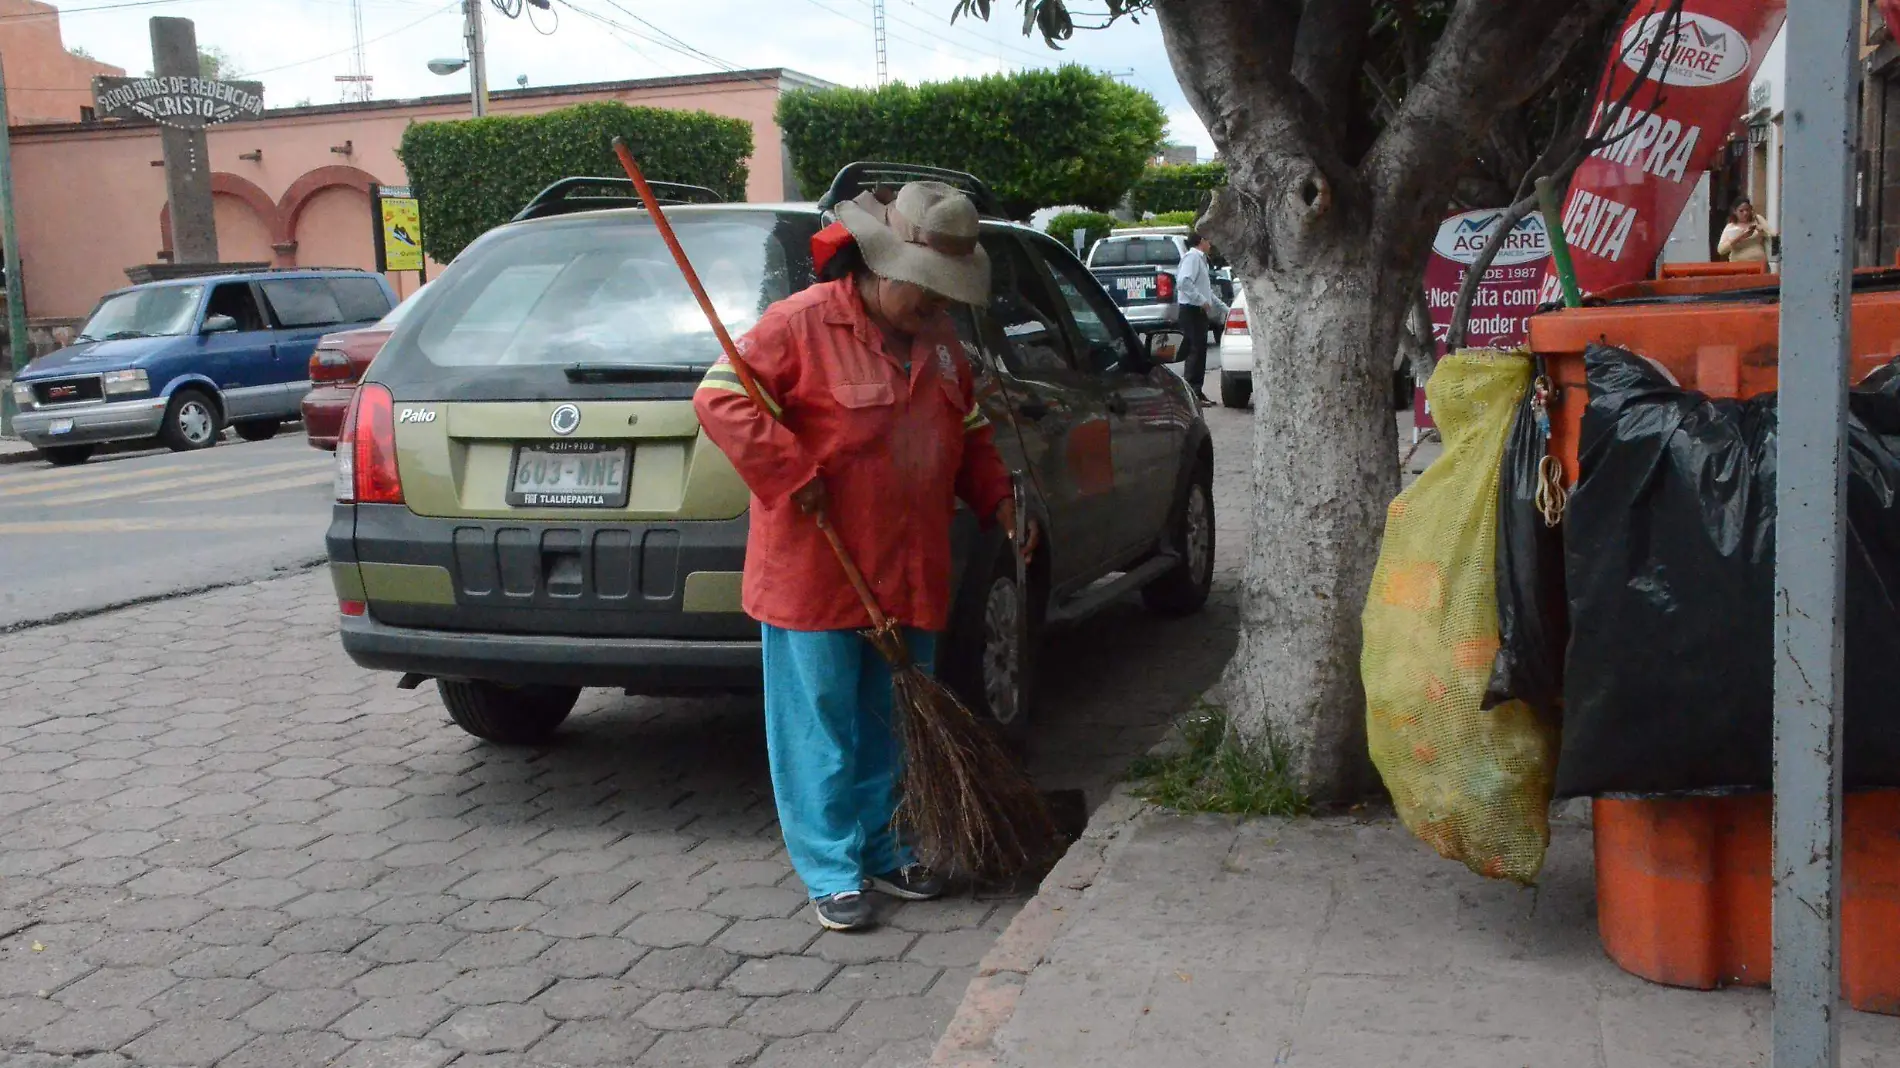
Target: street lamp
{"points": [[446, 66]]}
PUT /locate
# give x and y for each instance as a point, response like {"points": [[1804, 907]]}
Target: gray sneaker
{"points": [[912, 882], [848, 911]]}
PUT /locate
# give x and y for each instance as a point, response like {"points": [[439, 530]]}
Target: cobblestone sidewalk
{"points": [[226, 845]]}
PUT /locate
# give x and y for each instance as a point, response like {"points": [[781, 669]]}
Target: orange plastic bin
{"points": [[1684, 885]]}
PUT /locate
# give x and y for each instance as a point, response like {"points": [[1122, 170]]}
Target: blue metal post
{"points": [[1811, 494]]}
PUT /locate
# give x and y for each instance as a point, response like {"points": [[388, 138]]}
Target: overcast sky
{"points": [[298, 47]]}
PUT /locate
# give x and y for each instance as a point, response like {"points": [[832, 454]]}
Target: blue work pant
{"points": [[834, 753]]}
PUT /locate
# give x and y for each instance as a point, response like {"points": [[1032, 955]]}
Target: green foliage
{"points": [[1184, 187], [475, 174], [1166, 218], [1214, 769], [1036, 137], [1064, 226]]}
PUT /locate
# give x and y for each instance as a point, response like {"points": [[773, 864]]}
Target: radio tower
{"points": [[883, 48], [356, 84]]}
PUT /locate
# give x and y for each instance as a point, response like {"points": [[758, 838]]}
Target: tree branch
{"points": [[1329, 52], [1573, 142], [1489, 55]]}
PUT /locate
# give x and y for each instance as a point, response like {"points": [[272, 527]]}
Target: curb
{"points": [[989, 1002]]}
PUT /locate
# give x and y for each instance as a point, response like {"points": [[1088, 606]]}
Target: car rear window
{"points": [[360, 300], [1137, 252], [602, 290]]}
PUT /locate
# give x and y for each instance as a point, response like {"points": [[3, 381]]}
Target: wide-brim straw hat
{"points": [[926, 235]]}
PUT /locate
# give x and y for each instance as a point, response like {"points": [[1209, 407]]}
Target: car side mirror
{"points": [[1165, 346], [219, 324]]}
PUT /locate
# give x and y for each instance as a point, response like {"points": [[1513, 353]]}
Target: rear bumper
{"points": [[1139, 315], [323, 410], [1236, 355], [92, 423], [645, 665]]}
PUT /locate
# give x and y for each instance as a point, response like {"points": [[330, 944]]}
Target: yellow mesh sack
{"points": [[1474, 785]]}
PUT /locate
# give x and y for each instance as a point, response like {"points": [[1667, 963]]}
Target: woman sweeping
{"points": [[877, 428]]}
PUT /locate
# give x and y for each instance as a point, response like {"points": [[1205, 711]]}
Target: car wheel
{"points": [[986, 662], [191, 422], [66, 455], [1184, 589], [261, 430], [1236, 390], [509, 715]]}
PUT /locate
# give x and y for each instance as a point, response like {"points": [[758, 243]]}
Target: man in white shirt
{"points": [[1194, 290]]}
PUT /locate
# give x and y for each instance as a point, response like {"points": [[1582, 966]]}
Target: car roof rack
{"points": [[865, 175], [560, 198]]}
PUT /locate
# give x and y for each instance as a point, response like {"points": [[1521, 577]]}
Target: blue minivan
{"points": [[180, 360]]}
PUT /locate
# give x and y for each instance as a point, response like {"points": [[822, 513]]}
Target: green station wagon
{"points": [[526, 504]]}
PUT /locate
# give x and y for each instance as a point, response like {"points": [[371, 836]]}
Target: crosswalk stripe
{"points": [[166, 485], [249, 489], [138, 524], [62, 478]]}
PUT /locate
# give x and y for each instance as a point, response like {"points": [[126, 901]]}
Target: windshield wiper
{"points": [[633, 372], [127, 335]]}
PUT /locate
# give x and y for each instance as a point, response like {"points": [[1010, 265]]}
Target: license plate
{"points": [[60, 426], [570, 474], [1134, 287]]}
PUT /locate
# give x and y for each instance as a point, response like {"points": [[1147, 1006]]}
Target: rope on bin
{"points": [[1552, 497]]}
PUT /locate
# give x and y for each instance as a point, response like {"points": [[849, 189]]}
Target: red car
{"points": [[336, 367]]}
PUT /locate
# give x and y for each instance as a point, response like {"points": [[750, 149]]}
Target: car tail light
{"points": [[1236, 320], [1164, 285], [352, 608], [366, 450], [329, 367]]}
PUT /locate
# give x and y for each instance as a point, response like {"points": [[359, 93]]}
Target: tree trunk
{"points": [[1325, 450]]}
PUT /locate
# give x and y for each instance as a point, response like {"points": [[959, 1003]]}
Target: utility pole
{"points": [[18, 342], [477, 59], [1810, 507], [883, 45]]}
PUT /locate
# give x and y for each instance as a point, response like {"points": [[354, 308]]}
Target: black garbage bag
{"points": [[1533, 620], [1669, 567]]}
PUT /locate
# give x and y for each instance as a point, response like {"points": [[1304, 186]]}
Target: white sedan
{"points": [[1235, 355]]}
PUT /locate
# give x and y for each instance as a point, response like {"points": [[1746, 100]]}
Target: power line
{"points": [[439, 12]]}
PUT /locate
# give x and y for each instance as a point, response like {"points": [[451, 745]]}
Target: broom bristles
{"points": [[965, 803]]}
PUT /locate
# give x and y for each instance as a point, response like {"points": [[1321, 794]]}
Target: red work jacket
{"points": [[895, 451]]}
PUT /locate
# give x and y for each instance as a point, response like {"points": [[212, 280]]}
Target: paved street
{"points": [[227, 845], [129, 526]]}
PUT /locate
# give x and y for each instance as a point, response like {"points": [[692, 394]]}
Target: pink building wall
{"points": [[45, 83], [92, 199]]}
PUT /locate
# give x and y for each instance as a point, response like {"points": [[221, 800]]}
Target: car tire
{"points": [[507, 715], [66, 455], [1185, 588], [996, 680], [1236, 391], [259, 430], [191, 422]]}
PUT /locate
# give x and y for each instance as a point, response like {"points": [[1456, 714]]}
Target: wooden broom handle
{"points": [[746, 379]]}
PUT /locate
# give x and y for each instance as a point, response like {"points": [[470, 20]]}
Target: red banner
{"points": [[1627, 196], [1506, 296], [1890, 10]]}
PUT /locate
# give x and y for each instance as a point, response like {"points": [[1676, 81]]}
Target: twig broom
{"points": [[964, 803]]}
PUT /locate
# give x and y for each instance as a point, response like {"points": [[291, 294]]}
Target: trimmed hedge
{"points": [[1036, 137], [1185, 187], [475, 174], [1064, 226], [1166, 218]]}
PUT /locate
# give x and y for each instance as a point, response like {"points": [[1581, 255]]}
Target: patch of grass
{"points": [[1216, 770]]}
